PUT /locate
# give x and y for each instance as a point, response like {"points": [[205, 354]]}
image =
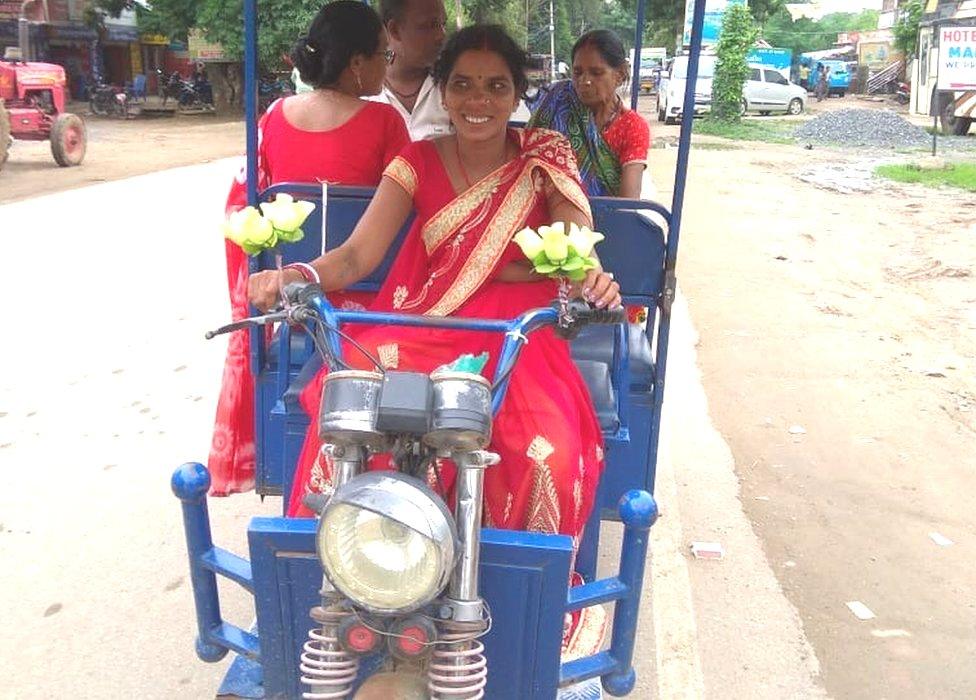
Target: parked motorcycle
{"points": [[401, 571], [903, 93], [271, 89], [104, 100], [189, 95]]}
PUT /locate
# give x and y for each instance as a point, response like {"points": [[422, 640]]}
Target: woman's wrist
{"points": [[307, 272]]}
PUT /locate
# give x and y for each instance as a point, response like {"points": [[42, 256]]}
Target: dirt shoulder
{"points": [[118, 149], [837, 341]]}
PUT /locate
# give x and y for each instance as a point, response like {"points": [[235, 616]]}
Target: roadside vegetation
{"points": [[767, 130], [961, 175]]}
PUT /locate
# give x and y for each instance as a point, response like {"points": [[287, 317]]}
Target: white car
{"points": [[766, 90], [671, 93]]}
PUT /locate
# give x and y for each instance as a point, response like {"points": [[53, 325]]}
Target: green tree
{"points": [[739, 32], [762, 10], [807, 35], [906, 28]]}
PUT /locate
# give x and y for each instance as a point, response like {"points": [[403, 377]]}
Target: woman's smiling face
{"points": [[480, 94]]}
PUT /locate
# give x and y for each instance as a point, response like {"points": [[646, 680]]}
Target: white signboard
{"points": [[957, 58], [714, 13]]}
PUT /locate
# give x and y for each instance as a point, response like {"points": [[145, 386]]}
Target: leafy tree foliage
{"points": [[739, 32], [906, 28], [807, 35]]}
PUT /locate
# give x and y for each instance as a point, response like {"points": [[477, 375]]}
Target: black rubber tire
{"points": [[670, 120], [795, 107], [744, 107], [950, 124], [961, 126], [765, 113], [4, 134], [69, 140], [660, 112], [97, 108]]}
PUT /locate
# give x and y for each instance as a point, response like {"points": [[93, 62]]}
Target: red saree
{"points": [[547, 434], [354, 153]]}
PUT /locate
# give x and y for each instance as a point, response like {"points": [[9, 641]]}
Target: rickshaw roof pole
{"points": [[684, 143], [638, 45], [251, 97]]}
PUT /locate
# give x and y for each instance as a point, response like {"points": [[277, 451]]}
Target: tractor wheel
{"points": [[68, 140], [4, 133]]}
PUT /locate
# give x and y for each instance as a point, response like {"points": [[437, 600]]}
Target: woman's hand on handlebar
{"points": [[600, 290], [264, 288]]}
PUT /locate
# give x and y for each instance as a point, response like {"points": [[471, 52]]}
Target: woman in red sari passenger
{"points": [[472, 192], [328, 134]]}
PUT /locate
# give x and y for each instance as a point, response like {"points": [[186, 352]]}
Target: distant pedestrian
{"points": [[805, 76], [823, 75]]}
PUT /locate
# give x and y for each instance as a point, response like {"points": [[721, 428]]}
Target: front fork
{"points": [[458, 668], [328, 670]]}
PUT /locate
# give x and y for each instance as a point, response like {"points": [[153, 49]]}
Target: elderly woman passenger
{"points": [[609, 139]]}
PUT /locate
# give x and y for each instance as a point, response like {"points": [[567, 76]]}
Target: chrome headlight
{"points": [[387, 542]]}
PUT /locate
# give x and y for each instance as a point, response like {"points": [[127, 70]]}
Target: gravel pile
{"points": [[863, 127]]}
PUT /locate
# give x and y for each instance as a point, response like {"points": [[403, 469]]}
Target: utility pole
{"points": [[552, 42]]}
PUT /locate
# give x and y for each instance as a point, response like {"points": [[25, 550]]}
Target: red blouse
{"points": [[629, 137], [354, 153]]}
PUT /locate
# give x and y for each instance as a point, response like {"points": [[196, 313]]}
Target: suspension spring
{"points": [[327, 669], [458, 669]]}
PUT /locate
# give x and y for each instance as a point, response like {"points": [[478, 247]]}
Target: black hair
{"points": [[607, 43], [340, 30], [483, 37], [393, 9]]}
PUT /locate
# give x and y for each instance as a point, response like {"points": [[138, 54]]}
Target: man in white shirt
{"points": [[416, 33]]}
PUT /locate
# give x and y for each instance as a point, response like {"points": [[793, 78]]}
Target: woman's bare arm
{"points": [[365, 248], [362, 252], [631, 180]]}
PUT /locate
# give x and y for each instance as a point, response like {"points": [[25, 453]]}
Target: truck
{"points": [[944, 74], [652, 62]]}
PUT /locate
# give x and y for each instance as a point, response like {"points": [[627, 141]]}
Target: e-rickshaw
{"points": [[485, 615]]}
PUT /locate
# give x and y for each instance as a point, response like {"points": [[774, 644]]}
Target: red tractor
{"points": [[32, 99]]}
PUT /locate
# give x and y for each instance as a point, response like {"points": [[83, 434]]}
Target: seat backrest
{"points": [[633, 250], [343, 210]]}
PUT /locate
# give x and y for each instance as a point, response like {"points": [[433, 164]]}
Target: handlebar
{"points": [[306, 304]]}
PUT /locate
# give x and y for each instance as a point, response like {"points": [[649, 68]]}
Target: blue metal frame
{"points": [[270, 661]]}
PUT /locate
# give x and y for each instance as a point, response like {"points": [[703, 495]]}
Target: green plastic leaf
{"points": [[576, 275], [574, 263], [546, 268]]}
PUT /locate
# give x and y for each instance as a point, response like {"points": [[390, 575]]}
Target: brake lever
{"points": [[263, 320]]}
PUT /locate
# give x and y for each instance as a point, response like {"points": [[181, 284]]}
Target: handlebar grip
{"points": [[608, 316], [300, 293]]}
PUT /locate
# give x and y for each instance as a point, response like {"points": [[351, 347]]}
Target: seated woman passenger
{"points": [[472, 192], [609, 139], [327, 134]]}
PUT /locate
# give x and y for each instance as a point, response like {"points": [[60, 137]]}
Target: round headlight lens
{"points": [[388, 554]]}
